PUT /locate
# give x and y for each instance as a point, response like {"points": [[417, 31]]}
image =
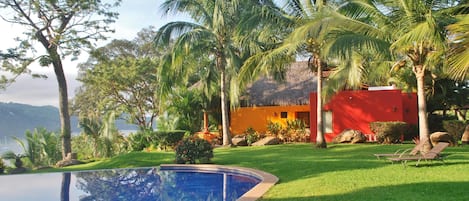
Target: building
{"points": [[269, 101], [357, 109]]}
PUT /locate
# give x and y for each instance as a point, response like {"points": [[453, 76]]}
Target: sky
{"points": [[134, 16]]}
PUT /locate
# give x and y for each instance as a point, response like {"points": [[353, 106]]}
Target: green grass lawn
{"points": [[341, 172]]}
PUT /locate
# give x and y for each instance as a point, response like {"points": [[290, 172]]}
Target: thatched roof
{"points": [[300, 81]]}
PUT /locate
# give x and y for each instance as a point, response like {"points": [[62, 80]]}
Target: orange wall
{"points": [[258, 117]]}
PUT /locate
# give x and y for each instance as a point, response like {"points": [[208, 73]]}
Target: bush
{"points": [[296, 131], [388, 132], [193, 150], [411, 132], [140, 140], [435, 122], [455, 128], [169, 138], [251, 136], [273, 128]]}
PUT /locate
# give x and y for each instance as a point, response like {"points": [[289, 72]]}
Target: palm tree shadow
{"points": [[422, 191]]}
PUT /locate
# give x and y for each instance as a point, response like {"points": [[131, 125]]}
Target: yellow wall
{"points": [[258, 117]]}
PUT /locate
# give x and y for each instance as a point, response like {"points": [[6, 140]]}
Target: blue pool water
{"points": [[126, 184]]}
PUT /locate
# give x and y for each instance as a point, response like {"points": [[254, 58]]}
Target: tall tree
{"points": [[214, 34], [127, 86], [308, 19], [412, 31], [121, 78], [63, 28]]}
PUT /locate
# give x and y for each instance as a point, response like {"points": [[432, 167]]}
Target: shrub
{"points": [[193, 150], [143, 139], [435, 122], [273, 128], [296, 124], [251, 135], [388, 132], [411, 132], [455, 128], [296, 131], [169, 138]]}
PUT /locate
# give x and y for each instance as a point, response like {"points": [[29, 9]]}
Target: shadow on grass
{"points": [[291, 162], [298, 161], [431, 191]]}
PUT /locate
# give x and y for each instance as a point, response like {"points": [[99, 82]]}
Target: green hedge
{"points": [[388, 132], [162, 139], [169, 138]]}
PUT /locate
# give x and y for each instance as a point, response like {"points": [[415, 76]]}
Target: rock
{"points": [[71, 159], [442, 137], [239, 140], [465, 136], [267, 141], [352, 136], [68, 162]]}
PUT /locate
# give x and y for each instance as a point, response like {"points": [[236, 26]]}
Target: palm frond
{"points": [[172, 30], [344, 43], [458, 61]]}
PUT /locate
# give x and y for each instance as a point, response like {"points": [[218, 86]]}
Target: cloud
{"points": [[133, 16], [37, 91]]}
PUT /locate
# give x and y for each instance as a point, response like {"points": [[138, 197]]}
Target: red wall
{"points": [[356, 109]]}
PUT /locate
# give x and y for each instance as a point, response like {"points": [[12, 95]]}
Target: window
{"points": [[283, 115], [327, 119]]}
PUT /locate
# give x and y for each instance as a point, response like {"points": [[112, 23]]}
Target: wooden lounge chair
{"points": [[402, 153], [433, 154]]}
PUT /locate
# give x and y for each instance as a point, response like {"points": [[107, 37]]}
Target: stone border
{"points": [[267, 179]]}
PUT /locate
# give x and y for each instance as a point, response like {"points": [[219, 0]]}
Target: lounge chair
{"points": [[433, 154], [401, 153]]}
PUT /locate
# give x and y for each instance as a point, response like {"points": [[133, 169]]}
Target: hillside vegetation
{"points": [[16, 118]]}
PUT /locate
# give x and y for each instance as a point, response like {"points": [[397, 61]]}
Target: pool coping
{"points": [[267, 180]]}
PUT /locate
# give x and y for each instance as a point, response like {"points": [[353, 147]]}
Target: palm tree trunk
{"points": [[224, 111], [206, 131], [320, 142], [422, 108]]}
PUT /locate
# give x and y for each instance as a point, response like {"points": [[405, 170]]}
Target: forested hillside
{"points": [[16, 118]]}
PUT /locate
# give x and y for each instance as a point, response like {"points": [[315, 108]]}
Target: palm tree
{"points": [[458, 60], [213, 35], [413, 31], [308, 20]]}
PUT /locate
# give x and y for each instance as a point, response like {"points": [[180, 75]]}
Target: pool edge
{"points": [[267, 180]]}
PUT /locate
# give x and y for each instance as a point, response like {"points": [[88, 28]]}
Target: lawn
{"points": [[341, 172]]}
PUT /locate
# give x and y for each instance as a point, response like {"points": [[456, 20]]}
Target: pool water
{"points": [[141, 184]]}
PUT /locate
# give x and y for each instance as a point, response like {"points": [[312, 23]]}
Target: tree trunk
{"points": [[65, 187], [224, 111], [422, 108], [320, 141], [206, 131], [63, 105], [64, 114], [220, 63]]}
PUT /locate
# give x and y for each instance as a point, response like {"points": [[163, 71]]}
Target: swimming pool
{"points": [[168, 182]]}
